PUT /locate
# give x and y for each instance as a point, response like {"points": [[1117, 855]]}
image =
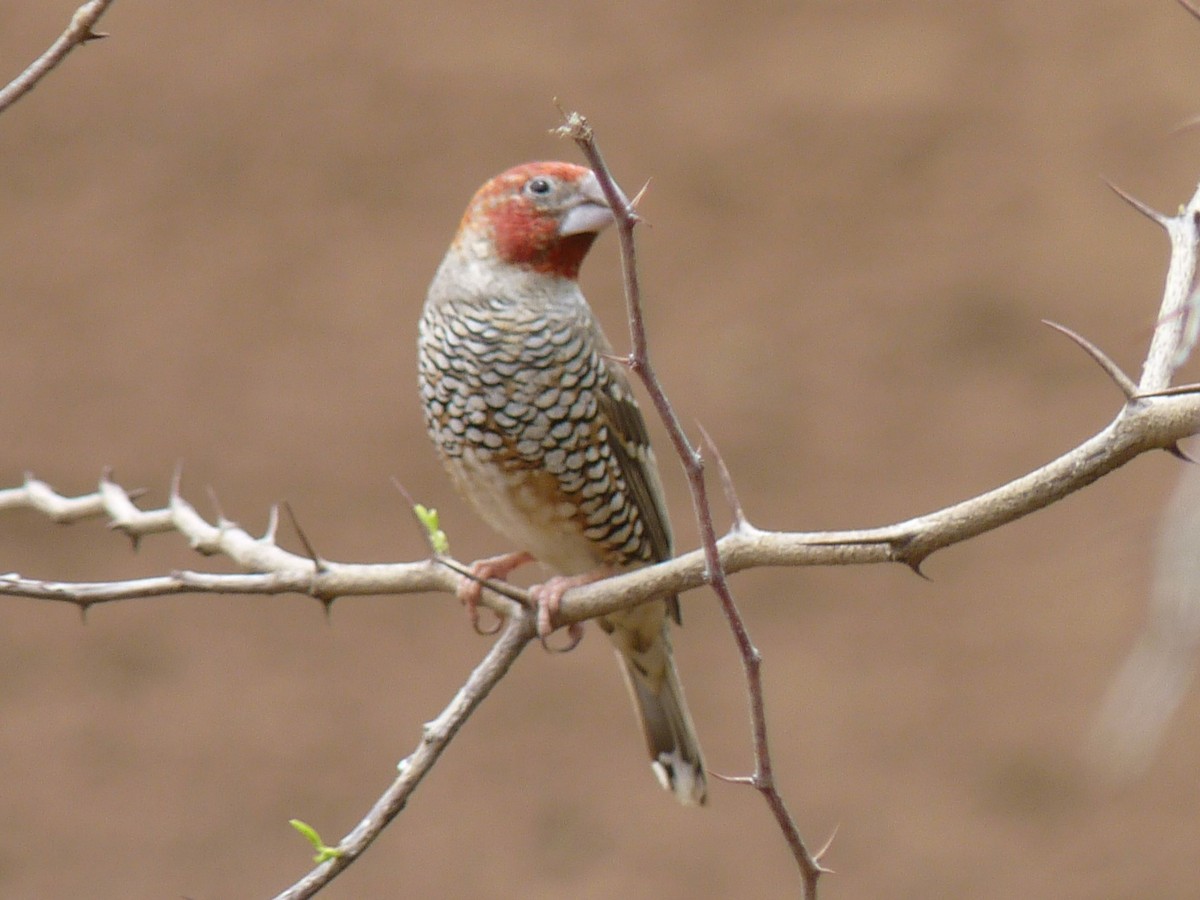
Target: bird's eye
{"points": [[539, 186]]}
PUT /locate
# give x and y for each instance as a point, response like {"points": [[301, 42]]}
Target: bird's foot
{"points": [[547, 597], [470, 586]]}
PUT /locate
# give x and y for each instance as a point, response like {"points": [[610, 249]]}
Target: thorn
{"points": [[177, 481], [621, 359], [318, 564], [212, 498], [900, 549], [631, 212], [733, 779], [83, 610], [825, 849], [408, 498], [107, 481], [740, 522], [1122, 381], [1176, 451], [272, 524], [93, 36], [472, 608], [135, 539], [327, 603], [915, 565], [1176, 391], [1148, 211], [637, 198], [503, 588]]}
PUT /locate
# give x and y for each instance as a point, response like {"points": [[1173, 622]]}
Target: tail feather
{"points": [[649, 668]]}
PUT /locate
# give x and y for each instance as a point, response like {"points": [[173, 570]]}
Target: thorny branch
{"points": [[577, 128], [78, 32]]}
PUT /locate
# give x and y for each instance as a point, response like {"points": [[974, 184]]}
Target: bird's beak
{"points": [[591, 214]]}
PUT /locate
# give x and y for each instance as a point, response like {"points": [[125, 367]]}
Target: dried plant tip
{"points": [[575, 125]]}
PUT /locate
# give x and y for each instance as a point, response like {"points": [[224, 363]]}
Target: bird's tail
{"points": [[644, 650]]}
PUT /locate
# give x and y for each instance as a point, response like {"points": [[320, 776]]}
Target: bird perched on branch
{"points": [[539, 429]]}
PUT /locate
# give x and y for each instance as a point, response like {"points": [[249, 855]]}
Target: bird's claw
{"points": [[547, 598], [470, 586]]}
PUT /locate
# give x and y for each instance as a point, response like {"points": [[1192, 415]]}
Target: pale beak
{"points": [[591, 214]]}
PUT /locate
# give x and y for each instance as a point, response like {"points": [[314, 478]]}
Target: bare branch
{"points": [[714, 569], [1160, 668], [1150, 423], [78, 32], [1178, 322], [518, 630]]}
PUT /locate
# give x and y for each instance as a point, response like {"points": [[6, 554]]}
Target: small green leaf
{"points": [[429, 520], [308, 831], [324, 851]]}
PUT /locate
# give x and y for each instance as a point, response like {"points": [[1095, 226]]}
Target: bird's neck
{"points": [[471, 274]]}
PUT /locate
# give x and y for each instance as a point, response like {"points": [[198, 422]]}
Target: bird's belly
{"points": [[527, 507]]}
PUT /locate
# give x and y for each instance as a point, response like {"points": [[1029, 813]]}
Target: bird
{"points": [[534, 418]]}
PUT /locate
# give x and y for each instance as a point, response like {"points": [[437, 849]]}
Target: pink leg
{"points": [[470, 588], [548, 595]]}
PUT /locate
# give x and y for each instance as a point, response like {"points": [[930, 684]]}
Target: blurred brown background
{"points": [[217, 230]]}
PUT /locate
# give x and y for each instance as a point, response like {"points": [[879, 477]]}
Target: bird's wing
{"points": [[630, 443]]}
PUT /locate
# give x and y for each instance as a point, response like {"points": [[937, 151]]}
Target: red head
{"points": [[542, 216]]}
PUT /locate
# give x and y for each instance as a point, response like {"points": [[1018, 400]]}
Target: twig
{"points": [[1154, 679], [78, 32], [1175, 332], [763, 779], [1150, 423], [518, 630]]}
